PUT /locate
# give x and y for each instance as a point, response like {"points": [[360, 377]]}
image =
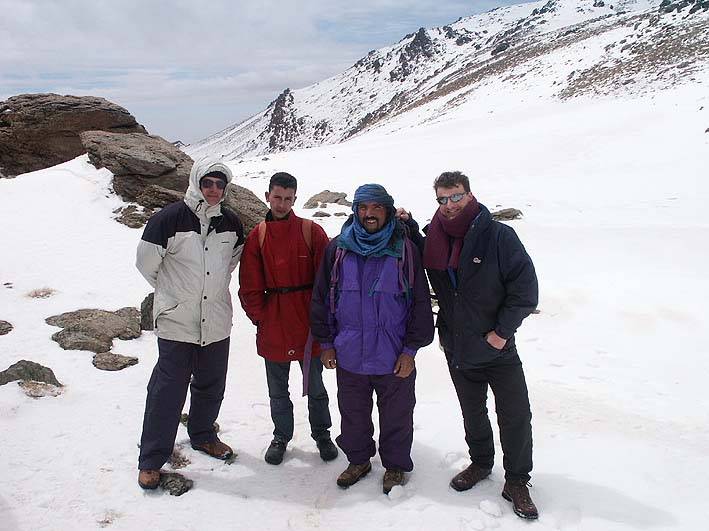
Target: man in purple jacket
{"points": [[371, 312]]}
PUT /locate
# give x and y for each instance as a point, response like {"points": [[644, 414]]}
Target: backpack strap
{"points": [[261, 227], [308, 233]]}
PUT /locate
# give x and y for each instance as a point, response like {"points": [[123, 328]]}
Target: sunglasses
{"points": [[443, 200], [208, 183]]}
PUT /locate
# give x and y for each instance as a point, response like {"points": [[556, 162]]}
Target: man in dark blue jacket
{"points": [[486, 285]]}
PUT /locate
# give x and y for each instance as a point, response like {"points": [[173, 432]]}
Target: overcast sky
{"points": [[187, 69]]}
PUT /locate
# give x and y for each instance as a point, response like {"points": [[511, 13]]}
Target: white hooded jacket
{"points": [[187, 253]]}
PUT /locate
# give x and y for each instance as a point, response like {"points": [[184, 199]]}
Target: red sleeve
{"points": [[252, 283]]}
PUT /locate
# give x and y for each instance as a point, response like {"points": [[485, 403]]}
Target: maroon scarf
{"points": [[444, 239]]}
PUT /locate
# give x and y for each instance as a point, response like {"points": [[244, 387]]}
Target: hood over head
{"points": [[194, 197]]}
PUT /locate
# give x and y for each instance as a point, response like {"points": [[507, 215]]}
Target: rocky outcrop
{"points": [[138, 162], [38, 131], [506, 214], [146, 312], [284, 126], [326, 196], [5, 328], [25, 370], [108, 361], [94, 330], [419, 49]]}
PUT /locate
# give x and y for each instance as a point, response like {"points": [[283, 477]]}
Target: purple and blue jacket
{"points": [[374, 320]]}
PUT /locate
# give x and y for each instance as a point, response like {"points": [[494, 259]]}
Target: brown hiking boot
{"points": [[216, 449], [352, 474], [522, 504], [469, 477], [149, 479], [392, 478]]}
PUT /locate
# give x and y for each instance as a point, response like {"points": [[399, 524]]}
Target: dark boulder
{"points": [[94, 330], [28, 370], [5, 328], [146, 313], [38, 131], [108, 361], [245, 204]]}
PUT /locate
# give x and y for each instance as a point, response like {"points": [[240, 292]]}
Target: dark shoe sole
{"points": [[463, 489], [347, 485], [272, 461], [225, 457], [519, 513]]}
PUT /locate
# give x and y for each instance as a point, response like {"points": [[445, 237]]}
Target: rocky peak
{"points": [[421, 48], [284, 126]]}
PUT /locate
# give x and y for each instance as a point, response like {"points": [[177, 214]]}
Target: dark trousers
{"points": [[282, 407], [514, 416], [167, 390], [395, 401]]}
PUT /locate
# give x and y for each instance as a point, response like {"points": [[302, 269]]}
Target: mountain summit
{"points": [[557, 49]]}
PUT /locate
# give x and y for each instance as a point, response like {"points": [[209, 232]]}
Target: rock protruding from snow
{"points": [[506, 214], [326, 196], [29, 371], [108, 361], [146, 312], [38, 131], [94, 330], [138, 161], [284, 125], [174, 483], [5, 328], [39, 389]]}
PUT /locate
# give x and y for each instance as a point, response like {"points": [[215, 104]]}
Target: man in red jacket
{"points": [[278, 265]]}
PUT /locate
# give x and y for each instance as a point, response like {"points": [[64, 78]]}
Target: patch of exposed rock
{"points": [[174, 483], [321, 214], [326, 196], [146, 313], [94, 330], [506, 214], [5, 328], [137, 162], [29, 371], [38, 131], [108, 361]]}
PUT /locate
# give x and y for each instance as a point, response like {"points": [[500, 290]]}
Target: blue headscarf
{"points": [[354, 237]]}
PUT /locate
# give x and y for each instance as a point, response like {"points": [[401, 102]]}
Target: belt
{"points": [[288, 289]]}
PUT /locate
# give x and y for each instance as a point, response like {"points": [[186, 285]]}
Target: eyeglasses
{"points": [[443, 200], [208, 183]]}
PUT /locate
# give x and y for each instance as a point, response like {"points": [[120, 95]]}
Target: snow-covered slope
{"points": [[562, 48], [614, 194]]}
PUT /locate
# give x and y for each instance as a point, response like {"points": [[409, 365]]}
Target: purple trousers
{"points": [[395, 401]]}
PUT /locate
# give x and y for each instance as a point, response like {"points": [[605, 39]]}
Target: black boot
{"points": [[469, 477], [274, 454], [328, 451]]}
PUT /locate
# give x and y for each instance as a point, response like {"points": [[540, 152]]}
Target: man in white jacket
{"points": [[187, 253]]}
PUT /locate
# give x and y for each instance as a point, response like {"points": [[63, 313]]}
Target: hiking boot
{"points": [[392, 478], [216, 449], [274, 454], [149, 479], [352, 474], [469, 477], [328, 451], [522, 504]]}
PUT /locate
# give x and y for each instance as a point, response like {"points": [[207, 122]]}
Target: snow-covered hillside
{"points": [[562, 48], [614, 194]]}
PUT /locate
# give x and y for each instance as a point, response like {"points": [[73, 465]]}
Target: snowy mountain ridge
{"points": [[562, 48]]}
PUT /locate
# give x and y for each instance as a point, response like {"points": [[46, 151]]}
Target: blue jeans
{"points": [[282, 407]]}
